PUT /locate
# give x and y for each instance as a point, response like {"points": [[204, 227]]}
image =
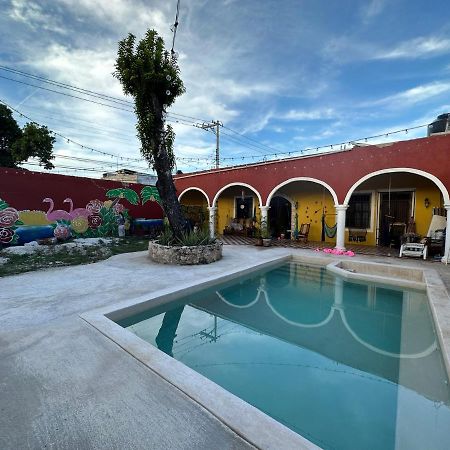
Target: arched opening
{"points": [[194, 203], [280, 216], [237, 209], [384, 207], [312, 202]]}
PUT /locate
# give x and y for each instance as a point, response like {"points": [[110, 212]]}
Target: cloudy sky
{"points": [[281, 76]]}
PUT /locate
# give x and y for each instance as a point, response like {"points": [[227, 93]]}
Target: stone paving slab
{"points": [[64, 385]]}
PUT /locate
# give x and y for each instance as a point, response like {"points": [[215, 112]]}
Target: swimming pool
{"points": [[345, 364]]}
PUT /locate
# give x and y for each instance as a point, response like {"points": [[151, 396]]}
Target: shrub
{"points": [[187, 239]]}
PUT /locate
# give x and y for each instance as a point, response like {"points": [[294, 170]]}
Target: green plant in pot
{"points": [[257, 234]]}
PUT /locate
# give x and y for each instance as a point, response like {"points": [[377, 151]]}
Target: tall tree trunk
{"points": [[162, 163], [168, 195]]}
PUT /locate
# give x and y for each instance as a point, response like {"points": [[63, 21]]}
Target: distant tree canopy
{"points": [[150, 75], [18, 145]]}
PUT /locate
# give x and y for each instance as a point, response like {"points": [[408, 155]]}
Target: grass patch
{"points": [[62, 257]]}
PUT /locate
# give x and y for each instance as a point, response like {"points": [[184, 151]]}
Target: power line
{"points": [[65, 94], [245, 144], [175, 119], [249, 138], [86, 147], [84, 91], [183, 121], [172, 117], [174, 28]]}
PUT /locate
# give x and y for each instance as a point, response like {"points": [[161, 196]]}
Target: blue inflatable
{"points": [[32, 233]]}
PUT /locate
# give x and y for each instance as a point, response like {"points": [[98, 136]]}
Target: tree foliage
{"points": [[17, 146], [150, 74], [9, 133]]}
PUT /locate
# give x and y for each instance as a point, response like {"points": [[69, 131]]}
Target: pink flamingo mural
{"points": [[78, 212], [59, 214]]}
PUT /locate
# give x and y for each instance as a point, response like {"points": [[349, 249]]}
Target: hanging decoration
{"points": [[330, 231]]}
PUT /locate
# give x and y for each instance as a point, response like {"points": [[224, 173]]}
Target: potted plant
{"points": [[257, 234], [265, 234]]}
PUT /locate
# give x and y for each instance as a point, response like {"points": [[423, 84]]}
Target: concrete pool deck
{"points": [[65, 385]]}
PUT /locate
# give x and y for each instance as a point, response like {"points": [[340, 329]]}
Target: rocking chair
{"points": [[303, 232]]}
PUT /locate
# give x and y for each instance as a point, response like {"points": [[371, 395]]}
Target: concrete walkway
{"points": [[63, 385]]}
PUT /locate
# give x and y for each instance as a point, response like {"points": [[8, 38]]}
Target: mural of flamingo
{"points": [[78, 212], [59, 214]]}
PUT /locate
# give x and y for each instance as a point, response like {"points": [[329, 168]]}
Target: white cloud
{"points": [[122, 16], [373, 9], [412, 96], [344, 49], [314, 114], [32, 14], [421, 47]]}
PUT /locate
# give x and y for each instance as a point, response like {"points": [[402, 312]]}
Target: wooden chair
{"points": [[303, 232]]}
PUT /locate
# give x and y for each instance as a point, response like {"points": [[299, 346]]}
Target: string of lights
{"points": [[244, 157], [87, 169], [259, 147], [336, 146], [86, 147], [125, 105]]}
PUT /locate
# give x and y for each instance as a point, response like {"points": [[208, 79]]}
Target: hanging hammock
{"points": [[330, 231]]}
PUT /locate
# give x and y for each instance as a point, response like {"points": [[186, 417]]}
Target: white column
{"points": [[447, 237], [340, 231], [264, 214], [212, 220]]}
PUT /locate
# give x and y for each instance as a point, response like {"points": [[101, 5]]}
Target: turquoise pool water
{"points": [[346, 365]]}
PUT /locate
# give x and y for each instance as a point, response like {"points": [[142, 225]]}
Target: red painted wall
{"points": [[340, 169], [23, 189]]}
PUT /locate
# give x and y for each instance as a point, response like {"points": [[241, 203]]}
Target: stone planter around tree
{"points": [[192, 255]]}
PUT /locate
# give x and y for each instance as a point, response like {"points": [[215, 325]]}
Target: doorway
{"points": [[280, 213], [395, 209]]}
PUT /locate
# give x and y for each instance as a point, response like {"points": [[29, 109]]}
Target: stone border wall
{"points": [[201, 254]]}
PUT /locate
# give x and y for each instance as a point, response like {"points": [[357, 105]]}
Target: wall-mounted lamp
{"points": [[426, 202]]}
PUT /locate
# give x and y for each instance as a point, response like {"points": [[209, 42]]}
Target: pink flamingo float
{"points": [[59, 214], [78, 212]]}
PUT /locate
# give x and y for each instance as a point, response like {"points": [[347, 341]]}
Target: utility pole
{"points": [[213, 126]]}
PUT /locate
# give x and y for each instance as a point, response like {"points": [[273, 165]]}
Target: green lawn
{"points": [[25, 263]]}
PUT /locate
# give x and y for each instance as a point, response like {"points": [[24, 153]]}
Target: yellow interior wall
{"points": [[196, 198], [310, 207], [226, 207], [312, 198], [423, 187], [422, 214], [225, 212]]}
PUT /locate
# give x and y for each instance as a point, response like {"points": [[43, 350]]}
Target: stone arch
{"points": [[194, 189], [236, 184], [422, 173], [312, 180]]}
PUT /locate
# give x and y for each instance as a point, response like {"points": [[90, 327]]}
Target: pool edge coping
{"points": [[249, 423], [252, 425]]}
